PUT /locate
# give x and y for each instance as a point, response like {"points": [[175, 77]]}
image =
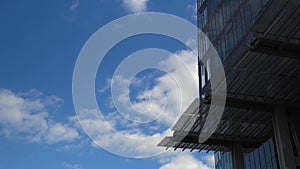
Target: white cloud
{"points": [[193, 8], [72, 166], [26, 115], [74, 5], [106, 87], [125, 142], [209, 160], [59, 132], [186, 161], [170, 95], [168, 98], [135, 5]]}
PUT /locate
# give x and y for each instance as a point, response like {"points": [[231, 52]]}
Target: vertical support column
{"points": [[282, 138], [237, 156]]}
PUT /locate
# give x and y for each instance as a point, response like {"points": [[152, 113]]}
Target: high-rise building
{"points": [[258, 44], [223, 160], [262, 157]]}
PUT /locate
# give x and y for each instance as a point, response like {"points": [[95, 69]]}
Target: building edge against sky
{"points": [[225, 23], [259, 44], [228, 23]]}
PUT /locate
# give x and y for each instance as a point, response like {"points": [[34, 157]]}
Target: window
{"points": [[238, 33], [242, 20], [211, 7], [220, 20], [200, 2], [247, 15], [262, 156], [267, 152], [226, 10], [213, 29], [252, 161], [203, 45], [202, 18], [274, 163], [219, 48], [208, 68], [234, 6], [229, 40], [257, 159], [265, 2], [247, 162], [218, 23], [223, 48], [272, 147], [218, 2], [255, 7], [203, 81]]}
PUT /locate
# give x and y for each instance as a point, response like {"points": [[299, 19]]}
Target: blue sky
{"points": [[40, 42]]}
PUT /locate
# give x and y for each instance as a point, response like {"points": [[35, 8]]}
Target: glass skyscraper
{"points": [[258, 43], [228, 22], [263, 157], [230, 25], [223, 160]]}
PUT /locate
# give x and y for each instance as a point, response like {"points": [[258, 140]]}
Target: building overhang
{"points": [[248, 127]]}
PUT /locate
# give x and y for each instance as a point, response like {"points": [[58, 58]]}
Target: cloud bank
{"points": [[135, 6], [188, 161], [26, 115]]}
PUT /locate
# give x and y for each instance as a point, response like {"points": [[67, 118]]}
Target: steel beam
{"points": [[237, 156], [252, 103], [282, 138], [218, 140], [275, 46]]}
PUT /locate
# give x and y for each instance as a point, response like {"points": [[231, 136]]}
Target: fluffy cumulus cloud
{"points": [[125, 143], [188, 161], [209, 160], [170, 95], [26, 115], [135, 5], [59, 132], [163, 101]]}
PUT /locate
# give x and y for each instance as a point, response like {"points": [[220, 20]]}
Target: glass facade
{"points": [[223, 160], [263, 157], [229, 25], [228, 22]]}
